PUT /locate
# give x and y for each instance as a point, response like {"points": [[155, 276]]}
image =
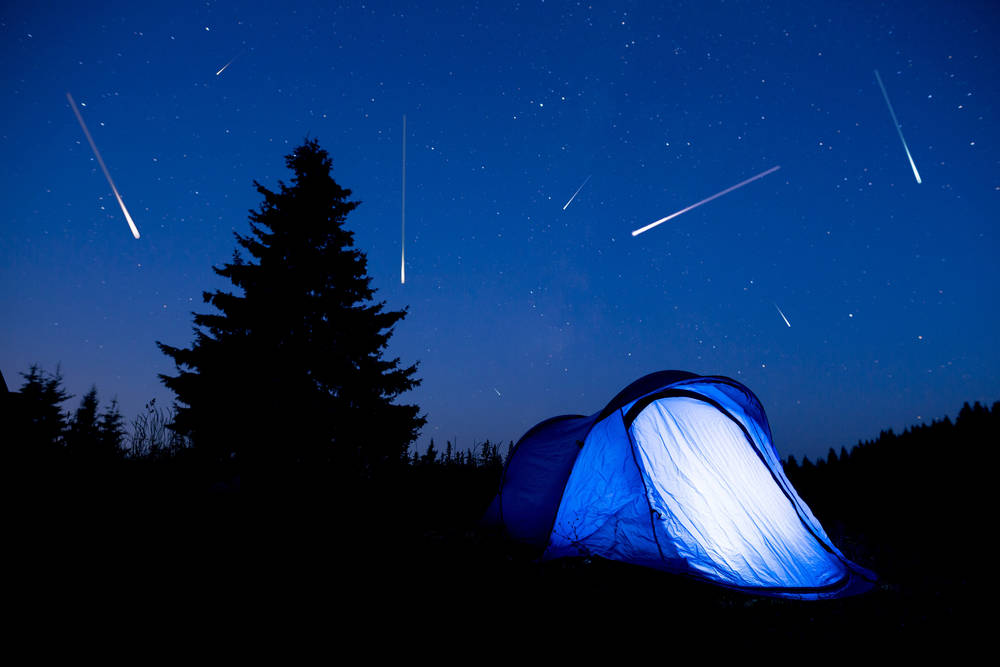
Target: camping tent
{"points": [[677, 472]]}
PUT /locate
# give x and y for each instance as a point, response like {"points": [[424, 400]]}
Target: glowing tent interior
{"points": [[678, 472]]}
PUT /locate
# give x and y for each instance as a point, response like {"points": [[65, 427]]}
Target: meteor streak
{"points": [[402, 245], [783, 316], [497, 391], [576, 193], [229, 63], [100, 161], [705, 201], [895, 122]]}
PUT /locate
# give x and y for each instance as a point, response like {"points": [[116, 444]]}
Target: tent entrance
{"points": [[716, 504]]}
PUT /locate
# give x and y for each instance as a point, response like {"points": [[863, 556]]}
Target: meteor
{"points": [[705, 201], [498, 392], [576, 193], [895, 122], [229, 63], [100, 161], [783, 316], [402, 244]]}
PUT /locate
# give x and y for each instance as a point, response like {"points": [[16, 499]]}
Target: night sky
{"points": [[518, 309]]}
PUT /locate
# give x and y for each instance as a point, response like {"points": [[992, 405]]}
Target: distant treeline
{"points": [[945, 454], [484, 455], [908, 505], [42, 430]]}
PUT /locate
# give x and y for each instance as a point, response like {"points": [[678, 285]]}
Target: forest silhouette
{"points": [[907, 505], [286, 383]]}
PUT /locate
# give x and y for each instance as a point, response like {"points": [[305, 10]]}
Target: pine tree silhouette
{"points": [[43, 423], [291, 371], [430, 456], [83, 434], [831, 457], [111, 431]]}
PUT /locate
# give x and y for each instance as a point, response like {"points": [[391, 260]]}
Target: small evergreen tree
{"points": [[493, 460], [292, 369], [43, 422], [484, 453], [111, 430], [83, 435], [430, 456]]}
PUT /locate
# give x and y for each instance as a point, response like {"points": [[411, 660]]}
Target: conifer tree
{"points": [[44, 423], [82, 437], [484, 454], [430, 456], [291, 370], [111, 430]]}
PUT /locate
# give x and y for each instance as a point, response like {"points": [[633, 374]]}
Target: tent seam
{"points": [[645, 489]]}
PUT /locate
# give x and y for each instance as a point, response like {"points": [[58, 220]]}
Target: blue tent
{"points": [[678, 473]]}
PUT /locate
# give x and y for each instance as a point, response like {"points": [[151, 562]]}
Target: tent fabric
{"points": [[679, 473]]}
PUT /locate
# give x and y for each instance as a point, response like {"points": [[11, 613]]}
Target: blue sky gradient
{"points": [[520, 310]]}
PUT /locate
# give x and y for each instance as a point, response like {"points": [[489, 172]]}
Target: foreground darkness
{"points": [[157, 540]]}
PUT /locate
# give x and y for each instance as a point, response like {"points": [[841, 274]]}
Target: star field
{"points": [[846, 295]]}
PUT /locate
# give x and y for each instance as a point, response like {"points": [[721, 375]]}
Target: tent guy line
{"points": [[706, 200], [895, 122], [100, 161]]}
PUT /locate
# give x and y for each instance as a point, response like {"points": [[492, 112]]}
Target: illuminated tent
{"points": [[677, 473]]}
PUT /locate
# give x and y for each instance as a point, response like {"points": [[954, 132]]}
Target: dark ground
{"points": [[168, 548], [409, 557]]}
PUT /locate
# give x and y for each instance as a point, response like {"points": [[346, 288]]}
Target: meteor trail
{"points": [[576, 193], [783, 316], [402, 245], [895, 122], [100, 161], [229, 63], [497, 391], [705, 201]]}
